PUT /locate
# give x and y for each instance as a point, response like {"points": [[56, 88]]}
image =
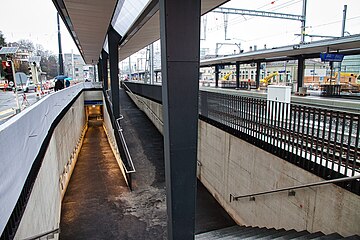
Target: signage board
{"points": [[331, 57]]}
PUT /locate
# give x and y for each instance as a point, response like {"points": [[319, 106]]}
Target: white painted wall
{"points": [[42, 212], [229, 165]]}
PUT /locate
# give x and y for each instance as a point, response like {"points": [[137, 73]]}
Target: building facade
{"points": [[74, 66]]}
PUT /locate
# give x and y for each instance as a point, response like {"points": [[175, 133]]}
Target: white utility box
{"points": [[279, 93]]}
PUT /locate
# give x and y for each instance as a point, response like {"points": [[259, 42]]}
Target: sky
{"points": [[36, 20]]}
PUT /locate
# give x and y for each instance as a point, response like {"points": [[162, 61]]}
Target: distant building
{"points": [[74, 66], [351, 64], [89, 73], [22, 54]]}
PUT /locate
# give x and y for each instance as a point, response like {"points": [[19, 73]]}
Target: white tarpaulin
{"points": [[20, 140]]}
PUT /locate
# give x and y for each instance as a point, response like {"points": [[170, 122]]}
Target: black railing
{"points": [[322, 141], [120, 141]]}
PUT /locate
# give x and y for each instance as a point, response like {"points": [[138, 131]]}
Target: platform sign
{"points": [[331, 57]]}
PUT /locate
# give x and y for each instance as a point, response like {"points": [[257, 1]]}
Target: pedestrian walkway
{"points": [[98, 205]]}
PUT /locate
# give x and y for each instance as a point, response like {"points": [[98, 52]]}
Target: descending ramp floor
{"points": [[98, 204]]}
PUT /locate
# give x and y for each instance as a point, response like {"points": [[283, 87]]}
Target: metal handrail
{"points": [[57, 230], [126, 149], [252, 196], [151, 111]]}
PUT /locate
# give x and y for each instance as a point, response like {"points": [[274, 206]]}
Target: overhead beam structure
{"points": [[346, 45], [258, 13]]}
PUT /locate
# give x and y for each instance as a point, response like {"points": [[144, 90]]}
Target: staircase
{"points": [[242, 232]]}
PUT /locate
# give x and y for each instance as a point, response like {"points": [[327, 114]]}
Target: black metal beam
{"points": [[217, 70], [61, 62], [180, 48], [94, 73], [104, 60], [99, 66], [237, 75], [257, 79], [300, 72], [114, 38]]}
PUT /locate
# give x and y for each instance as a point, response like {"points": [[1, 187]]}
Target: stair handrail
{"points": [[54, 231], [151, 111], [124, 144], [252, 196]]}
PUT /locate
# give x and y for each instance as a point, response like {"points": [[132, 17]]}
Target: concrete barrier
{"points": [[42, 212]]}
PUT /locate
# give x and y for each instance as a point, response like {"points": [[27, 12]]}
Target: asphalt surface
{"points": [[98, 205], [8, 104]]}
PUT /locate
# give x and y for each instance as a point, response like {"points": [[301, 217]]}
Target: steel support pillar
{"points": [[300, 72], [104, 60], [180, 48], [99, 67], [114, 38], [257, 78], [217, 70], [237, 65], [95, 80]]}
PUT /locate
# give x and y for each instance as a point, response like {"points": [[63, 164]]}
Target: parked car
{"points": [[23, 82]]}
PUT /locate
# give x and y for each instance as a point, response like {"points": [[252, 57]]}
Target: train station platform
{"points": [[98, 204], [314, 99]]}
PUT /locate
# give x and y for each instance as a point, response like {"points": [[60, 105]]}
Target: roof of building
{"points": [[8, 50]]}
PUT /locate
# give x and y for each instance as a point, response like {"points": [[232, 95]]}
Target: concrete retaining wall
{"points": [[42, 212], [228, 165], [109, 130], [152, 109], [93, 95]]}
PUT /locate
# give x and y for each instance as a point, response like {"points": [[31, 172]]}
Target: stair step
{"points": [[243, 231], [215, 234], [354, 237], [244, 234], [263, 234], [251, 233], [280, 234], [311, 236], [330, 236], [293, 235]]}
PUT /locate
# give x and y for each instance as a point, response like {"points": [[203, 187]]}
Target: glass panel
{"points": [[106, 45], [126, 13]]}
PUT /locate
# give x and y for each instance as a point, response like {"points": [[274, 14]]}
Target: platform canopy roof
{"points": [[344, 45], [137, 21]]}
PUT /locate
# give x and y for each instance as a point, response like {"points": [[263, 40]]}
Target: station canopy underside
{"points": [[136, 21]]}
